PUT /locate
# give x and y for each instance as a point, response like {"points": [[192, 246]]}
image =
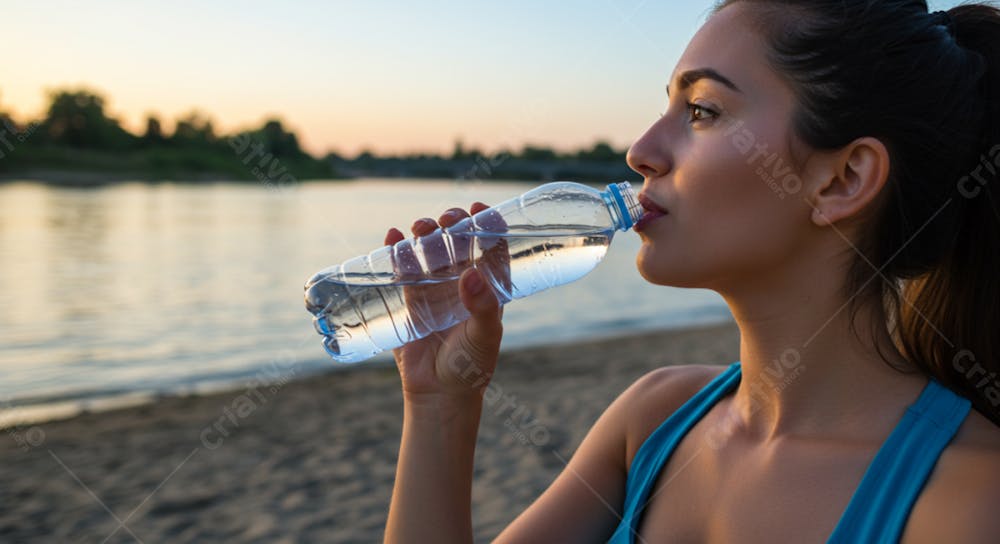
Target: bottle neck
{"points": [[623, 204]]}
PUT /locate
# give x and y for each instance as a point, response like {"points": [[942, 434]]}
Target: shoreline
{"points": [[35, 412], [85, 179], [314, 459]]}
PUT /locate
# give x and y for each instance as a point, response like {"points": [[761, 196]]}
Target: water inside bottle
{"points": [[399, 311]]}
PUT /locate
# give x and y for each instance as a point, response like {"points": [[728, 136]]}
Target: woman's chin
{"points": [[664, 273], [651, 271]]}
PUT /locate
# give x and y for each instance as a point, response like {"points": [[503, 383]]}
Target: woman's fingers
{"points": [[484, 329], [426, 225], [393, 236], [423, 226], [452, 216]]}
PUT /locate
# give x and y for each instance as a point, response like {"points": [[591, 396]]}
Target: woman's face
{"points": [[718, 162]]}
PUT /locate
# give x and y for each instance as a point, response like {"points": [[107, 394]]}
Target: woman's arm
{"points": [[433, 491], [443, 376]]}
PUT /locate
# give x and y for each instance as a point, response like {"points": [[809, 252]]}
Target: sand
{"points": [[311, 460]]}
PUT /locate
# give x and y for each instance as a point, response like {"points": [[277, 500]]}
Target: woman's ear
{"points": [[853, 177]]}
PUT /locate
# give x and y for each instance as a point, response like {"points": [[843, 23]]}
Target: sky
{"points": [[384, 75]]}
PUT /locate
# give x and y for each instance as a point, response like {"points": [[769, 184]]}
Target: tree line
{"points": [[77, 136]]}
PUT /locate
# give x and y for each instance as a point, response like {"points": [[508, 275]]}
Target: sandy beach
{"points": [[311, 460]]}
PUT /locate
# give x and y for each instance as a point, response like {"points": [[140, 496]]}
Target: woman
{"points": [[829, 167]]}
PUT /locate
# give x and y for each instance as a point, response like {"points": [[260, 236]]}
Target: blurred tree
{"points": [[154, 132], [273, 140], [365, 159], [460, 153], [194, 130], [76, 118], [278, 141], [533, 153], [7, 123], [601, 152]]}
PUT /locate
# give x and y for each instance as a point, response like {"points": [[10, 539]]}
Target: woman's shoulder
{"points": [[656, 395], [972, 460], [959, 500]]}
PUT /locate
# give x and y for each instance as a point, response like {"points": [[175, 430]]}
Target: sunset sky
{"points": [[386, 75]]}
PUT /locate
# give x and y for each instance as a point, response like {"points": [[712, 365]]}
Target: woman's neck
{"points": [[805, 373]]}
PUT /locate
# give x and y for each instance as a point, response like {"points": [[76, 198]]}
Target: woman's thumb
{"points": [[479, 299]]}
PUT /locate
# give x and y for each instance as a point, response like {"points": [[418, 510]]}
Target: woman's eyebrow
{"points": [[691, 77]]}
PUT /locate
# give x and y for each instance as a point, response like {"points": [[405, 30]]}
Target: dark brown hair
{"points": [[928, 87]]}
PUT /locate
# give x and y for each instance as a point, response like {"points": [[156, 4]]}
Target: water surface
{"points": [[130, 289]]}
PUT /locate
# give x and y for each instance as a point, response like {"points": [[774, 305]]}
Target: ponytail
{"points": [[961, 296]]}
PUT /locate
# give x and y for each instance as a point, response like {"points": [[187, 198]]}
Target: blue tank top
{"points": [[882, 502]]}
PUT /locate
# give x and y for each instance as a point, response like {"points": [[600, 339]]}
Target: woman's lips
{"points": [[653, 212]]}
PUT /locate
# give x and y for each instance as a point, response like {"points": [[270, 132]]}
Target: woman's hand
{"points": [[455, 364], [444, 374]]}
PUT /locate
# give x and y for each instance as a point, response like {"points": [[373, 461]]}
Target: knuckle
{"points": [[424, 224]]}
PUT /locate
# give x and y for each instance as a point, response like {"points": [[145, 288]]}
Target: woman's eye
{"points": [[700, 113]]}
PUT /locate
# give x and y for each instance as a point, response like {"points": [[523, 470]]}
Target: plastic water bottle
{"points": [[551, 235]]}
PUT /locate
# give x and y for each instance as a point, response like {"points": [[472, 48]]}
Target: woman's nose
{"points": [[648, 155]]}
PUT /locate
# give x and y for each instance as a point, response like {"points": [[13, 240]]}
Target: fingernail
{"points": [[475, 283]]}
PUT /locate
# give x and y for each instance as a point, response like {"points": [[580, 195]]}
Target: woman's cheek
{"points": [[720, 226]]}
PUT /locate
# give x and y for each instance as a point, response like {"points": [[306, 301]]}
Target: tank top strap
{"points": [[881, 504], [656, 450]]}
